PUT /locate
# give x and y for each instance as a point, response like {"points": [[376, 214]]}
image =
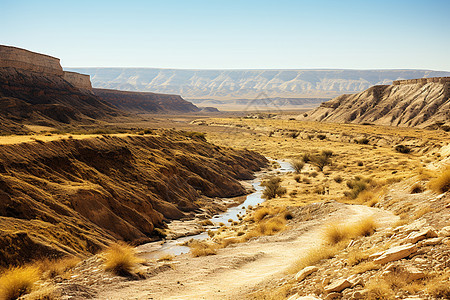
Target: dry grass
{"points": [[315, 255], [16, 282], [441, 184], [364, 267], [356, 257], [297, 165], [45, 293], [202, 248], [379, 289], [439, 286], [166, 257], [121, 259], [336, 232], [51, 268]]}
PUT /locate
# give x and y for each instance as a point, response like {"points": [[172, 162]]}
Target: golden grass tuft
{"points": [[16, 282], [365, 266], [441, 184], [379, 289], [201, 248], [51, 268], [336, 232], [314, 255], [166, 257], [121, 259]]}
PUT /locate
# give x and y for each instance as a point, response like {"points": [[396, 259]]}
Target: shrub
{"points": [[196, 135], [321, 136], [441, 184], [297, 178], [356, 186], [327, 153], [360, 163], [201, 248], [273, 188], [338, 179], [321, 160], [16, 282], [297, 165], [306, 157], [417, 188], [363, 141], [52, 268], [335, 233], [121, 259], [402, 149]]}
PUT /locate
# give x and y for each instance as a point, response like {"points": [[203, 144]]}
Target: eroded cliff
{"points": [[419, 102], [75, 196]]}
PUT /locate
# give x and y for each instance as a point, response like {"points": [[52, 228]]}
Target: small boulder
{"points": [[411, 273], [414, 237], [338, 286], [445, 231], [431, 242], [305, 272], [333, 296], [395, 253]]}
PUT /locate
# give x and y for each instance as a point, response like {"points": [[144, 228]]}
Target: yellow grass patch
{"points": [[121, 259], [16, 282], [441, 184]]}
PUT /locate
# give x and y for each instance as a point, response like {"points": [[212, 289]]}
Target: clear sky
{"points": [[231, 34]]}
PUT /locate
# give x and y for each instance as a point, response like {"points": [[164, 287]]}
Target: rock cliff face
{"points": [[35, 90], [247, 84], [42, 99], [81, 81], [12, 57], [418, 102], [75, 196], [145, 102]]}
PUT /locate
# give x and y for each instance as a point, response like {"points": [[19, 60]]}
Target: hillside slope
{"points": [[247, 84], [75, 196], [42, 99], [139, 102], [406, 103]]}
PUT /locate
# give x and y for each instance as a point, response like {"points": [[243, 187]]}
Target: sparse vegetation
{"points": [[441, 184], [273, 188], [336, 233], [402, 149], [16, 282], [297, 165], [121, 259]]}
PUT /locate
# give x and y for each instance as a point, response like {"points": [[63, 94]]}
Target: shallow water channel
{"points": [[158, 249]]}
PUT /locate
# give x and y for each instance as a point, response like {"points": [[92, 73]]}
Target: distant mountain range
{"points": [[210, 85]]}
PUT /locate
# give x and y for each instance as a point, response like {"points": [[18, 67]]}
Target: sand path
{"points": [[238, 268]]}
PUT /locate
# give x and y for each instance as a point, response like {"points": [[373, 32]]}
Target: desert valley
{"points": [[111, 194], [199, 150]]}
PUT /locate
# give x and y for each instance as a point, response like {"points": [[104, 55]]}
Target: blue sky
{"points": [[233, 34]]}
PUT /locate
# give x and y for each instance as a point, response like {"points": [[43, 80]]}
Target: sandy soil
{"points": [[236, 269]]}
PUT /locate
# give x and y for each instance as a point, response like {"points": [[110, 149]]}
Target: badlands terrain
{"points": [[91, 193]]}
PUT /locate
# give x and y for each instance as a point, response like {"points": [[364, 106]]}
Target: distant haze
{"points": [[247, 84]]}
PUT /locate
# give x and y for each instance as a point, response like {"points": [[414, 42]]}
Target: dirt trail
{"points": [[237, 268]]}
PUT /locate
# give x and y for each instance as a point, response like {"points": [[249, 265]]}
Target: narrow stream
{"points": [[173, 247]]}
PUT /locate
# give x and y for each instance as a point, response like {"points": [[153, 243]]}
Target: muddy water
{"points": [[173, 247]]}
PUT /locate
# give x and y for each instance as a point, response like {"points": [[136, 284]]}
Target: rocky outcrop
{"points": [[145, 102], [81, 81], [12, 57], [33, 98], [247, 84], [75, 196], [408, 103]]}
